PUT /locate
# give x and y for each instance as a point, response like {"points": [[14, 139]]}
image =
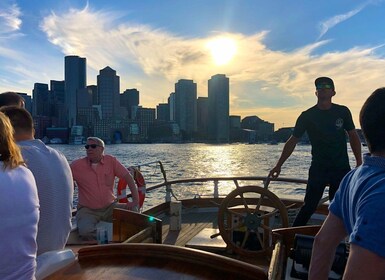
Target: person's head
{"points": [[324, 88], [9, 152], [21, 120], [11, 98], [94, 148], [372, 120]]}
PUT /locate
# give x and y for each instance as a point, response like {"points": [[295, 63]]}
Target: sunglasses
{"points": [[324, 86], [93, 146]]}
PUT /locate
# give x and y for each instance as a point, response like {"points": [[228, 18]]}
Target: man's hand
{"points": [[132, 206], [274, 173]]}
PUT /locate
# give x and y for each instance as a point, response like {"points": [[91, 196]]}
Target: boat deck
{"points": [[197, 227], [192, 223]]}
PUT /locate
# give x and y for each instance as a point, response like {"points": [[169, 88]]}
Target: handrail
{"points": [[224, 178], [265, 181]]}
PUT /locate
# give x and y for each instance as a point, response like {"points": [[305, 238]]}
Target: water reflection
{"points": [[205, 160]]}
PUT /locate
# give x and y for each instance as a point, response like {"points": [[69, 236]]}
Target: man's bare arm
{"points": [[355, 144], [324, 247], [286, 152], [364, 264]]}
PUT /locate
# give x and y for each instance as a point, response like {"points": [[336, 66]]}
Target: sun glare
{"points": [[222, 50]]}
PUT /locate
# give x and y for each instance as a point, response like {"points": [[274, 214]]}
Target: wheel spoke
{"points": [[258, 204], [270, 214], [233, 212], [243, 198], [259, 238], [247, 232]]}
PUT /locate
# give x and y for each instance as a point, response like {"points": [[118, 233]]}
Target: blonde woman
{"points": [[19, 210]]}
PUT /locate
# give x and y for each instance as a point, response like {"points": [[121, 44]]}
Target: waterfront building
{"points": [[219, 107], [41, 123], [235, 129], [264, 130], [186, 107], [42, 98], [59, 111], [163, 112], [164, 132], [75, 77], [129, 99], [145, 117], [171, 106], [202, 117], [109, 93]]}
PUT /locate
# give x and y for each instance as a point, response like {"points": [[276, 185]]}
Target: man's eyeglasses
{"points": [[93, 146]]}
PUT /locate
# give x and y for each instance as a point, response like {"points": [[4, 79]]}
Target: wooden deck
{"points": [[192, 223]]}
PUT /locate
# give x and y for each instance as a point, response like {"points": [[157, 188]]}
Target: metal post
{"points": [[168, 193], [216, 192]]}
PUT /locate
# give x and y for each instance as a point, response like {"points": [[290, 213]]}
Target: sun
{"points": [[222, 50]]}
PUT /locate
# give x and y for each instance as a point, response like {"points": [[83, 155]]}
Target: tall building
{"points": [[75, 77], [186, 107], [219, 100], [171, 106], [163, 112], [41, 100], [202, 117], [145, 118], [129, 99], [59, 111], [109, 93]]}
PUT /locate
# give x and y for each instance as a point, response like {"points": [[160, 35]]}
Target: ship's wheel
{"points": [[246, 218]]}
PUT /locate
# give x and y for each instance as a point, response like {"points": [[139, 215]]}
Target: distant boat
{"points": [[56, 141]]}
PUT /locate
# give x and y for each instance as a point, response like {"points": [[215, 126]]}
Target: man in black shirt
{"points": [[326, 124]]}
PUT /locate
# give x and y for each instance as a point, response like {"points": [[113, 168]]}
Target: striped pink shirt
{"points": [[96, 186]]}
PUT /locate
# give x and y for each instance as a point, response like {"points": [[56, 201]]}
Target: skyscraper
{"points": [[219, 100], [186, 107], [75, 77], [129, 99], [171, 105], [59, 113], [41, 100], [202, 117], [109, 93]]}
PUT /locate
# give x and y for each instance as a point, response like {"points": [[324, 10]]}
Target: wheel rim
{"points": [[243, 212]]}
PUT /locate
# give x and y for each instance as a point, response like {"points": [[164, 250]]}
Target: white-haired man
{"points": [[95, 177]]}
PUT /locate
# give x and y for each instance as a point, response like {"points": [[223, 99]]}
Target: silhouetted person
{"points": [[326, 124]]}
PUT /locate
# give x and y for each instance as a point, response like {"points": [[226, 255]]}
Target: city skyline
{"points": [[271, 52]]}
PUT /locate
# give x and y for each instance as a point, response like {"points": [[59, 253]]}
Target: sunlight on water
{"points": [[205, 160]]}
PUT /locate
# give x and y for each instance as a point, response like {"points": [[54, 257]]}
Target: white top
{"points": [[55, 188], [19, 216]]}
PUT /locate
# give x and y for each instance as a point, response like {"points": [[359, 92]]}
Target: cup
{"points": [[101, 235]]}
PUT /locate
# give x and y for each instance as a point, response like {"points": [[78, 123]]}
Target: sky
{"points": [[272, 51]]}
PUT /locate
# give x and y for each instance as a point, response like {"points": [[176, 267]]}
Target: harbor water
{"points": [[195, 160]]}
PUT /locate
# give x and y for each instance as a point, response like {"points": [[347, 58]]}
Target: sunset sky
{"points": [[271, 50]]}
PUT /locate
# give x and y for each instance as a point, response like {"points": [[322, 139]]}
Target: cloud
{"points": [[156, 59], [10, 20], [335, 20]]}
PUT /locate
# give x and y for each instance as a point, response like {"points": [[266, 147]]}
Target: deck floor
{"points": [[192, 223]]}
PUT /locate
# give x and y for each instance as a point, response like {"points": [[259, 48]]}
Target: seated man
{"points": [[95, 177], [358, 206], [53, 179]]}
